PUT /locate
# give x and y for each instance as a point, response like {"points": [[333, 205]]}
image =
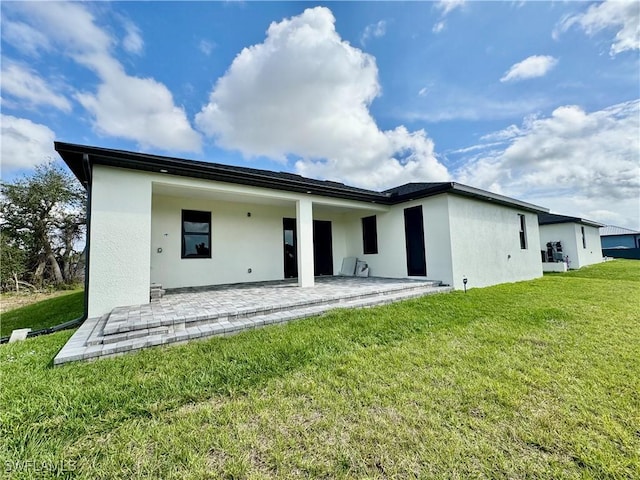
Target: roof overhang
{"points": [[467, 191], [81, 159], [554, 219], [73, 156]]}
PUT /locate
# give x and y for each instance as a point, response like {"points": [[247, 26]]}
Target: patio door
{"points": [[322, 248], [414, 238]]}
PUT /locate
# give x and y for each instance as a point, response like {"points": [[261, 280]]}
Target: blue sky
{"points": [[536, 100]]}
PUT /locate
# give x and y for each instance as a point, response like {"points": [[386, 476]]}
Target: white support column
{"points": [[120, 260], [304, 228]]}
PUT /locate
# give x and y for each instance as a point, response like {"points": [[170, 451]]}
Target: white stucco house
{"points": [[180, 223], [572, 241]]}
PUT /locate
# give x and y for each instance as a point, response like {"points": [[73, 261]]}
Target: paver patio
{"points": [[190, 313]]}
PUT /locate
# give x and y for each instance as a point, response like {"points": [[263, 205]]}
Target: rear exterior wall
{"points": [[570, 236], [243, 248], [485, 243]]}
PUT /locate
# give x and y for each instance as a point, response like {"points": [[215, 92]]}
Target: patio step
{"points": [[123, 342], [120, 322]]}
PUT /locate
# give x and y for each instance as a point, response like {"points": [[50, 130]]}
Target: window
{"points": [[196, 234], [369, 235], [523, 232], [584, 239]]}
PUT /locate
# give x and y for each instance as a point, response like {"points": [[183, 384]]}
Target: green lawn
{"points": [[47, 313], [537, 379]]}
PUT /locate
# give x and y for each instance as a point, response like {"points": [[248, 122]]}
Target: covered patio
{"points": [[199, 312]]}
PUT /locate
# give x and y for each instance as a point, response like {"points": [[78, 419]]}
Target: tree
{"points": [[43, 217], [13, 262]]}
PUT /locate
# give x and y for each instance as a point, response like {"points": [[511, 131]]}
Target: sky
{"points": [[539, 101]]}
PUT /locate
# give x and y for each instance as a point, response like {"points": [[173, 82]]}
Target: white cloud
{"points": [[473, 148], [502, 135], [305, 92], [49, 18], [139, 109], [446, 7], [623, 16], [438, 27], [531, 67], [25, 38], [20, 82], [24, 144], [132, 42], [375, 30], [448, 103], [142, 110], [574, 162], [206, 47]]}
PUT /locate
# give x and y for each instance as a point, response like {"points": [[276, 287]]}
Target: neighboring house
{"points": [[574, 241], [620, 242], [180, 223]]}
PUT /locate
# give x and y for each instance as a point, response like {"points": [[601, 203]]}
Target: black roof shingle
{"points": [[553, 218], [81, 158]]}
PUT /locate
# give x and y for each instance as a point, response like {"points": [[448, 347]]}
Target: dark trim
{"points": [[414, 242], [203, 214], [72, 155], [522, 232], [290, 264], [369, 235], [553, 219]]}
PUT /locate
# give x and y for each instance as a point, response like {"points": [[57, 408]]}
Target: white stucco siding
{"points": [[119, 239], [570, 236], [565, 233], [485, 243], [438, 237], [391, 259], [136, 236], [593, 251], [238, 243]]}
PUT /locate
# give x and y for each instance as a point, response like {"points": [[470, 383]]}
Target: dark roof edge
{"points": [[473, 192], [554, 219], [72, 154]]}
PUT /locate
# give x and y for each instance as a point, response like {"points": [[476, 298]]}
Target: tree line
{"points": [[42, 229]]}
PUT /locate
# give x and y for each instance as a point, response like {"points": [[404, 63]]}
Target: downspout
{"points": [[80, 320]]}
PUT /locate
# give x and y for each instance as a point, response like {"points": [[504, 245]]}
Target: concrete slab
{"points": [[19, 335]]}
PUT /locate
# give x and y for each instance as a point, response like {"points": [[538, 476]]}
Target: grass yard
{"points": [[536, 379], [47, 313]]}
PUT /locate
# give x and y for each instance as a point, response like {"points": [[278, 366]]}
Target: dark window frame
{"points": [[584, 238], [195, 216], [370, 235], [523, 231]]}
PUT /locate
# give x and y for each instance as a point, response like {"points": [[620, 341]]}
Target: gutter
{"points": [[76, 322]]}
